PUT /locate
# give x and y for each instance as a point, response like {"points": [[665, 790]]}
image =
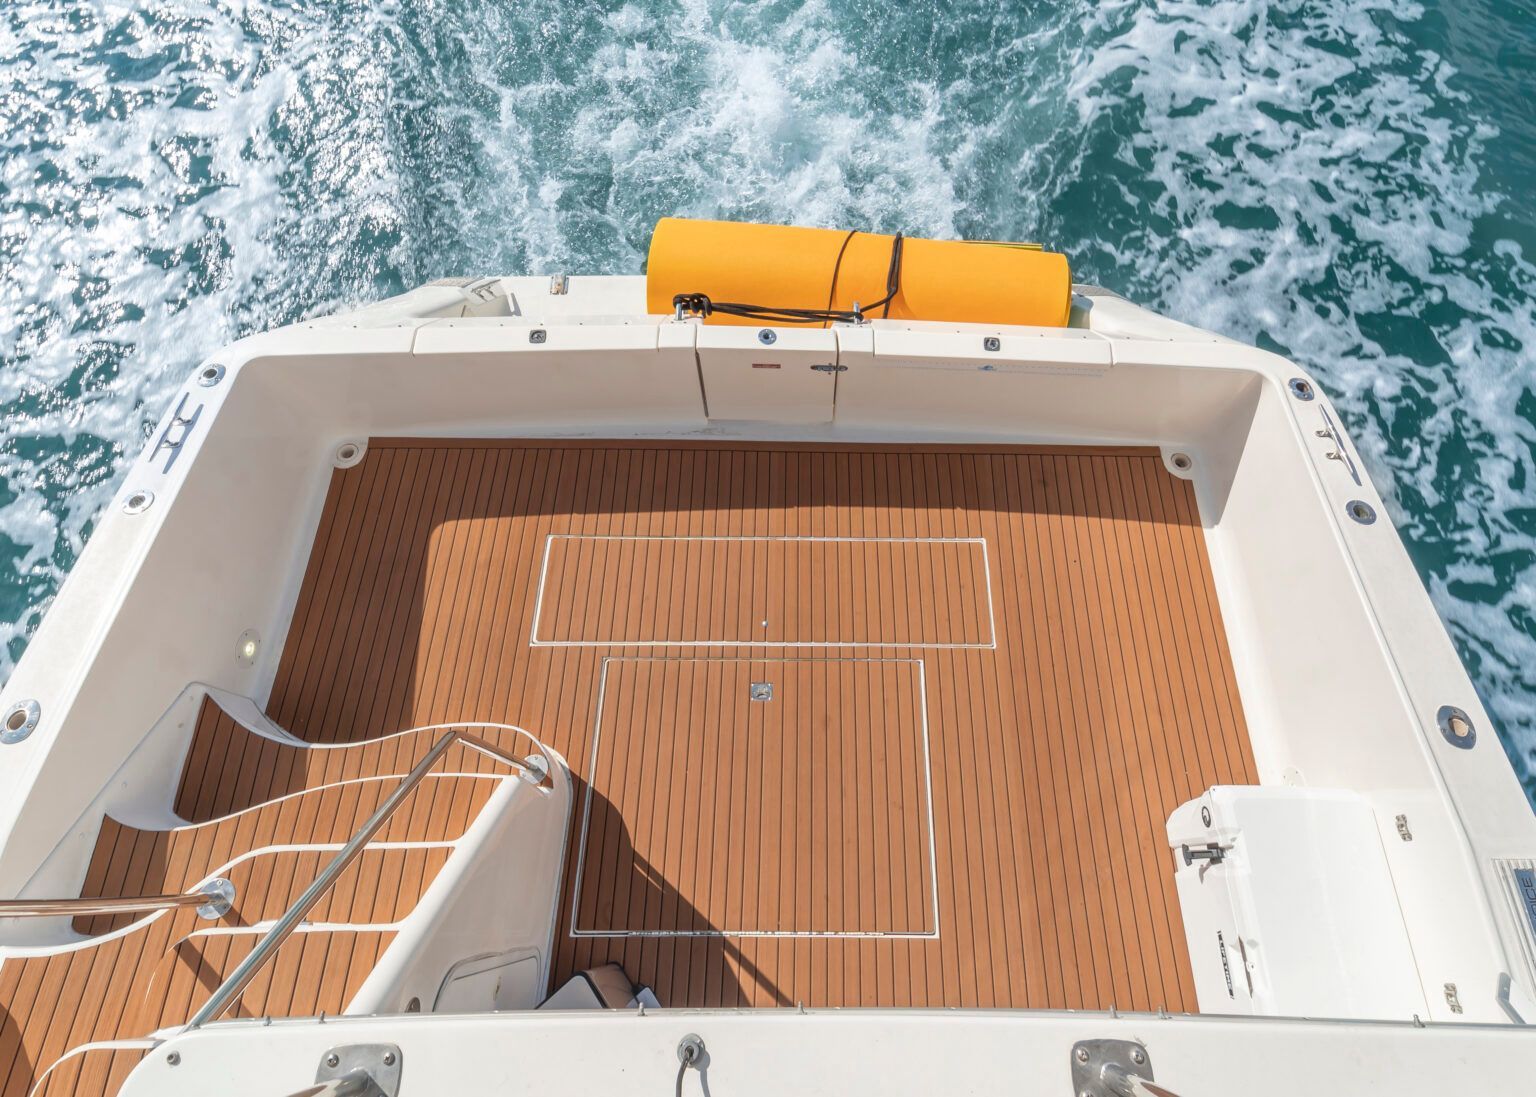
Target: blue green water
{"points": [[1349, 182]]}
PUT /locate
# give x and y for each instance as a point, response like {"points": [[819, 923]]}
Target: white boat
{"points": [[517, 687]]}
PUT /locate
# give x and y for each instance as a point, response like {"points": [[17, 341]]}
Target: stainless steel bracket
{"points": [[1112, 1068], [360, 1070], [221, 897]]}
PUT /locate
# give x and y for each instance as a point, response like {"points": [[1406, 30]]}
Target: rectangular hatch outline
{"points": [[927, 833], [990, 644]]}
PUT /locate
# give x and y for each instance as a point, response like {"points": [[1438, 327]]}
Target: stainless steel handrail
{"points": [[357, 1084], [212, 900], [534, 769]]}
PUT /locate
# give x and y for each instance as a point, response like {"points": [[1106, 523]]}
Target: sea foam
{"points": [[1311, 176]]}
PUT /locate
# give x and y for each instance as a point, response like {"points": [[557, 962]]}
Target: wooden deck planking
{"points": [[90, 1073], [583, 578], [651, 785], [1056, 757]]}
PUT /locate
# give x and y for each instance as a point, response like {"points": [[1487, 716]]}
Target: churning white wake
{"points": [[1300, 174]]}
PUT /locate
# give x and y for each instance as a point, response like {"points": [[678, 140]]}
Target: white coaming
{"points": [[860, 1053], [1339, 656]]}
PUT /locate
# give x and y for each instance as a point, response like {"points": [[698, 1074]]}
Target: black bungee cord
{"points": [[700, 304]]}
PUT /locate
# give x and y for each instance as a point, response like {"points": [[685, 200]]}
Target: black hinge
{"points": [[830, 367]]}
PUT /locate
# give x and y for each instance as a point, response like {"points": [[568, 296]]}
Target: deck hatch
{"points": [[708, 814], [804, 592]]}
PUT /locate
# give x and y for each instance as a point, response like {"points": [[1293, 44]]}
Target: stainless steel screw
{"points": [[1082, 1055], [332, 1059], [389, 1058], [1138, 1056]]}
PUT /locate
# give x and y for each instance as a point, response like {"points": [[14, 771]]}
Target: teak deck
{"points": [[995, 671]]}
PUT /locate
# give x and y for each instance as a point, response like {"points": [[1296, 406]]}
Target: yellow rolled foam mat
{"points": [[788, 266]]}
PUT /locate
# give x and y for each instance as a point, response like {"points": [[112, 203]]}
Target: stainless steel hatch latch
{"points": [[1213, 853]]}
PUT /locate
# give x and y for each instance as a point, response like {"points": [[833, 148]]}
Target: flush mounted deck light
{"points": [[247, 647]]}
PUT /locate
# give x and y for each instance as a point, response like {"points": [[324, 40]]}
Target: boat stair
{"points": [[304, 881]]}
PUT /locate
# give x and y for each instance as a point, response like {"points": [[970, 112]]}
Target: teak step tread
{"points": [[229, 768], [316, 971], [93, 1072], [126, 985], [130, 861]]}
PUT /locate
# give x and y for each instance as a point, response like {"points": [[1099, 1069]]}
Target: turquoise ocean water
{"points": [[1349, 182]]}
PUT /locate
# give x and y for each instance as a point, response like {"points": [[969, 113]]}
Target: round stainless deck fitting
{"points": [[767, 337], [210, 375], [1457, 727], [20, 721], [1301, 388], [348, 454], [536, 767], [991, 342], [690, 1049], [1181, 461], [1360, 511], [538, 335], [138, 501], [221, 897]]}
